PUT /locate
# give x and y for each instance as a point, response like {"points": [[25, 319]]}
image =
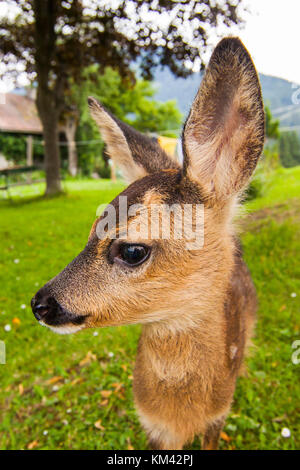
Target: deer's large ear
{"points": [[224, 133], [136, 154]]}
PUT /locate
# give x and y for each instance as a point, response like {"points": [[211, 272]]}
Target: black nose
{"points": [[46, 308], [39, 310], [41, 304]]}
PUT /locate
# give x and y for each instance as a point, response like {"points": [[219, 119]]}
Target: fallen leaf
{"points": [[98, 425], [77, 380], [16, 321], [32, 445], [278, 419], [225, 436], [54, 380], [106, 393], [88, 359], [21, 389], [117, 386], [104, 402], [124, 367], [130, 377], [130, 447]]}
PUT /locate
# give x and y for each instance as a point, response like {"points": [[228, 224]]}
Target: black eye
{"points": [[133, 255]]}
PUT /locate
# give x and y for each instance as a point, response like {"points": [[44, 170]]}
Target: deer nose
{"points": [[39, 307], [50, 312]]}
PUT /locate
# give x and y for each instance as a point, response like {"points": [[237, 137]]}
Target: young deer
{"points": [[197, 306]]}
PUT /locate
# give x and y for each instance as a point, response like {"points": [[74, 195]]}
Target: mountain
{"points": [[282, 96]]}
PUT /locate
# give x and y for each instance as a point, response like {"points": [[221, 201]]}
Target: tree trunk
{"points": [[70, 131], [49, 114], [49, 94], [52, 157]]}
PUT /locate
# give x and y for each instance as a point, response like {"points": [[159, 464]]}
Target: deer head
{"points": [[132, 277]]}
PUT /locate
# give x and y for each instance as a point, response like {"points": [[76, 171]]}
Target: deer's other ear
{"points": [[224, 133], [136, 154]]}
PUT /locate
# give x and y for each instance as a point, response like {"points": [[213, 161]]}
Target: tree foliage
{"points": [[76, 33], [54, 40], [272, 125], [289, 149], [13, 147]]}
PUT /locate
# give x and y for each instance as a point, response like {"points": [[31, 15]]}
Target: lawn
{"points": [[74, 391]]}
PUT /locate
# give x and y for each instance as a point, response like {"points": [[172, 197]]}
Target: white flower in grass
{"points": [[45, 432], [293, 295], [110, 354], [69, 410], [55, 388], [23, 306], [95, 333], [285, 432], [7, 327], [16, 261]]}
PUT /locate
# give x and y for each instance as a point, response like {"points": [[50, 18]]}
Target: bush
{"points": [[289, 147], [13, 147], [102, 169], [269, 162]]}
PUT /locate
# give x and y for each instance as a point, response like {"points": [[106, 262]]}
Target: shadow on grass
{"points": [[21, 201]]}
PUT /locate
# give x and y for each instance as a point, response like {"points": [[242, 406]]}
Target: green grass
{"points": [[55, 388], [282, 187]]}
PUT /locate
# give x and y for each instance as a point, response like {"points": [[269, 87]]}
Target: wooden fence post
{"points": [[29, 151]]}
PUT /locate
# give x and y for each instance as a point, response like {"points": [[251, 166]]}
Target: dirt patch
{"points": [[278, 213]]}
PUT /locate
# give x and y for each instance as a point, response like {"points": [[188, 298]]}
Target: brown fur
{"points": [[197, 307]]}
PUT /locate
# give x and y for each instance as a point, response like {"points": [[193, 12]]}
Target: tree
{"points": [[54, 40], [289, 149], [270, 159], [272, 125], [69, 121]]}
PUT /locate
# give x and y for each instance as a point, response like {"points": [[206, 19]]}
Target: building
{"points": [[18, 115]]}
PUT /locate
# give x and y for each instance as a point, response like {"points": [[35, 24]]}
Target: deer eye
{"points": [[132, 255]]}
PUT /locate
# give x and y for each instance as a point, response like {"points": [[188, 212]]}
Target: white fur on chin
{"points": [[63, 330]]}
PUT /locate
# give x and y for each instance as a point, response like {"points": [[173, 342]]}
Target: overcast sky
{"points": [[271, 34]]}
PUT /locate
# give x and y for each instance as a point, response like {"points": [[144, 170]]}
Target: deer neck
{"points": [[181, 347]]}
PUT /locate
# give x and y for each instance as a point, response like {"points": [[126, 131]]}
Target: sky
{"points": [[271, 34]]}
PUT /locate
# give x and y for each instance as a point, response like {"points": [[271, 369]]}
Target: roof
{"points": [[19, 114]]}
